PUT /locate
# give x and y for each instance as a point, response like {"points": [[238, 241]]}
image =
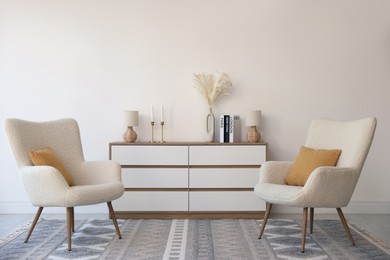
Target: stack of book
{"points": [[229, 129]]}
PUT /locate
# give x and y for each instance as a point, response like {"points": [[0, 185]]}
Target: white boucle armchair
{"points": [[95, 181], [326, 187]]}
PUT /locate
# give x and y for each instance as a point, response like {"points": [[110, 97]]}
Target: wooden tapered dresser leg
{"points": [[36, 218]]}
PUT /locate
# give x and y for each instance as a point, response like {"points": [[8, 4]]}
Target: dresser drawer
{"points": [[152, 201], [225, 201], [223, 177], [149, 155], [170, 178], [155, 177], [227, 155]]}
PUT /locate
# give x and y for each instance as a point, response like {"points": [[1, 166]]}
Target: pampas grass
{"points": [[211, 87]]}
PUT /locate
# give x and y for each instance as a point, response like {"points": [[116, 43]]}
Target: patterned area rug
{"points": [[190, 239]]}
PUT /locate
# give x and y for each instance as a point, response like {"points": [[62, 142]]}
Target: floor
{"points": [[376, 225]]}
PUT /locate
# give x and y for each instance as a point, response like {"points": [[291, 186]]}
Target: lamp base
{"points": [[130, 135], [253, 135]]}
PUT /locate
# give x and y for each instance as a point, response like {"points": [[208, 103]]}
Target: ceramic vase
{"points": [[210, 126]]}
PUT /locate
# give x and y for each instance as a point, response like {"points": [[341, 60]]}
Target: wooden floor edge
{"points": [[189, 215]]}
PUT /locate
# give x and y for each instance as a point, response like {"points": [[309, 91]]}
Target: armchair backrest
{"points": [[62, 136], [354, 138]]}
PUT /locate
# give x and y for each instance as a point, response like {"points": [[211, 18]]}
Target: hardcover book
{"points": [[234, 129], [229, 129], [226, 127], [221, 128]]}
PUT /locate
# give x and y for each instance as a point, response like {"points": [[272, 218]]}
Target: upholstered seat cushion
{"points": [[92, 194], [80, 195], [278, 194]]}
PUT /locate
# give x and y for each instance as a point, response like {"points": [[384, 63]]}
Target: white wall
{"points": [[294, 60]]}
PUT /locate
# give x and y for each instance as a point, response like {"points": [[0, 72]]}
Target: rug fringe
{"points": [[17, 232], [381, 244]]}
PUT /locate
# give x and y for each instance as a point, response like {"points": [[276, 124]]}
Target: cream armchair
{"points": [[326, 187], [94, 181]]}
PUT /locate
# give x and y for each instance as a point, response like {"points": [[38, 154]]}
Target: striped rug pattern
{"points": [[190, 239]]}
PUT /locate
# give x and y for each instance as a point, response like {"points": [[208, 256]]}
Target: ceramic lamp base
{"points": [[253, 135], [130, 135]]}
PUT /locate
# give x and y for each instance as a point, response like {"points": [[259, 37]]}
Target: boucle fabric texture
{"points": [[94, 181], [327, 186]]}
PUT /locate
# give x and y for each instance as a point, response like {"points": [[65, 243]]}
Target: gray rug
{"points": [[190, 239]]}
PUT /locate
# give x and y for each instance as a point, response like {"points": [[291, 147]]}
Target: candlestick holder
{"points": [[152, 124], [162, 132]]}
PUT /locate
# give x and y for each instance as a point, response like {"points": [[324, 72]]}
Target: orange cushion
{"points": [[46, 156], [307, 160]]}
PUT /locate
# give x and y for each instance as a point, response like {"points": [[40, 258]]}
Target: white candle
{"points": [[151, 114], [162, 118]]}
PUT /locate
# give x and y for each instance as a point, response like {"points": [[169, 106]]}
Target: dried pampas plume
{"points": [[211, 87]]}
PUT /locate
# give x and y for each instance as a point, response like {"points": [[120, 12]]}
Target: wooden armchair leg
{"points": [[304, 225], [265, 219], [341, 215], [36, 218], [69, 226], [72, 220], [311, 220], [114, 219]]}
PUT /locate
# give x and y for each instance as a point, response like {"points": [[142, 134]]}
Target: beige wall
{"points": [[294, 60]]}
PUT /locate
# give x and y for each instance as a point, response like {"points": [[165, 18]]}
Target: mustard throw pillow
{"points": [[307, 160], [46, 156]]}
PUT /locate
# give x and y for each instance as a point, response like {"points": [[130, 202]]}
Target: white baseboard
{"points": [[352, 208]]}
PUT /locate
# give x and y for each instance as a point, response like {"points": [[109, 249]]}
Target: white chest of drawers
{"points": [[189, 179]]}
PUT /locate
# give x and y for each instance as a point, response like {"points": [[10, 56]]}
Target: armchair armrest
{"points": [[98, 172], [331, 186], [45, 185], [274, 171]]}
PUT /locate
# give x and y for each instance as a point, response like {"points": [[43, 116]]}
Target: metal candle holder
{"points": [[152, 123], [162, 132]]}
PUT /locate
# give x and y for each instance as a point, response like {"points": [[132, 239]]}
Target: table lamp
{"points": [[130, 120], [252, 120]]}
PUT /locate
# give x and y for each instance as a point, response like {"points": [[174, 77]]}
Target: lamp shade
{"points": [[252, 118], [130, 118]]}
